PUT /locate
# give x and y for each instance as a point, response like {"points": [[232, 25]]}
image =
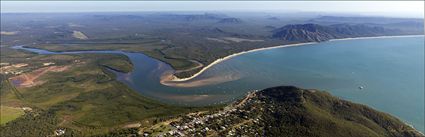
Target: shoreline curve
{"points": [[176, 79]]}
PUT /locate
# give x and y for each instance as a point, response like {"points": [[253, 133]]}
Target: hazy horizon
{"points": [[409, 9]]}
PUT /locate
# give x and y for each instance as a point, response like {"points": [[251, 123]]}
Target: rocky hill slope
{"points": [[318, 33]]}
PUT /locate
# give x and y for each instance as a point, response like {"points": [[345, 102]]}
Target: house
{"points": [[59, 132]]}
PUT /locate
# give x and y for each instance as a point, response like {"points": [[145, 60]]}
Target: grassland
{"points": [[9, 113]]}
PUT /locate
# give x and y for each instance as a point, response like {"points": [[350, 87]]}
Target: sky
{"points": [[380, 8]]}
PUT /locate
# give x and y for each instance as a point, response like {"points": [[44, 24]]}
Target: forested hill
{"points": [[292, 111], [317, 33], [287, 111]]}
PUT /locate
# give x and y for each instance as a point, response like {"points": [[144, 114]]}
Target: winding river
{"points": [[389, 70]]}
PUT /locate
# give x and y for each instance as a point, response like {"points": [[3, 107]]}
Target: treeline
{"points": [[35, 123], [128, 132]]}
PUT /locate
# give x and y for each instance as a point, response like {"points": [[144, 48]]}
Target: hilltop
{"points": [[299, 112]]}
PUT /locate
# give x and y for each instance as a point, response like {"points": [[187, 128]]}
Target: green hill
{"points": [[288, 111], [300, 112]]}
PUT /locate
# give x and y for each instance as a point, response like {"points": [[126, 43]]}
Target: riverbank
{"points": [[173, 79]]}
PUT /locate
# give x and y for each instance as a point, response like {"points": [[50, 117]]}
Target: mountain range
{"points": [[317, 33]]}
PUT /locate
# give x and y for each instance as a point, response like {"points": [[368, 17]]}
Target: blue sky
{"points": [[385, 8]]}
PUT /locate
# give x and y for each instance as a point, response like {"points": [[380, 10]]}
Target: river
{"points": [[384, 73]]}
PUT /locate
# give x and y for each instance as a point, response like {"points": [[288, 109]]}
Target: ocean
{"points": [[384, 73]]}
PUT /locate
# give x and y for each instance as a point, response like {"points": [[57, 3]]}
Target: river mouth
{"points": [[152, 77], [389, 70]]}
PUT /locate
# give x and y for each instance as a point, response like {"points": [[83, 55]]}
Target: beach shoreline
{"points": [[176, 79]]}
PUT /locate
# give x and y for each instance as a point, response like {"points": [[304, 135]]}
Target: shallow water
{"points": [[391, 70]]}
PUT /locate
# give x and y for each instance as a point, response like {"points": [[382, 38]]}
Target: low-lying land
{"points": [[83, 98]]}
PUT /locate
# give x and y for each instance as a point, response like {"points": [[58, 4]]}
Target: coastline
{"points": [[377, 37], [175, 79]]}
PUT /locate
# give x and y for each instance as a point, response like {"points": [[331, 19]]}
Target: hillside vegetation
{"points": [[292, 111], [318, 33], [284, 111]]}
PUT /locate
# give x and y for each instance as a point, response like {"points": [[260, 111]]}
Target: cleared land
{"points": [[79, 35], [9, 113], [31, 79], [8, 32]]}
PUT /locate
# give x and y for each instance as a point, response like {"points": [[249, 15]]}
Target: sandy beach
{"points": [[377, 37], [173, 78], [234, 55], [166, 79]]}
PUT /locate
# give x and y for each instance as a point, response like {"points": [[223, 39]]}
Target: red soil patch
{"points": [[30, 79]]}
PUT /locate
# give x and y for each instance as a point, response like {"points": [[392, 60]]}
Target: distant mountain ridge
{"points": [[117, 17], [360, 20], [230, 21], [193, 17], [317, 33]]}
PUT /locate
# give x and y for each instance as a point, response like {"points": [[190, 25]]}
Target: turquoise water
{"points": [[391, 70]]}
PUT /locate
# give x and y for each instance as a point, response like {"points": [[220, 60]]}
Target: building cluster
{"points": [[239, 118]]}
